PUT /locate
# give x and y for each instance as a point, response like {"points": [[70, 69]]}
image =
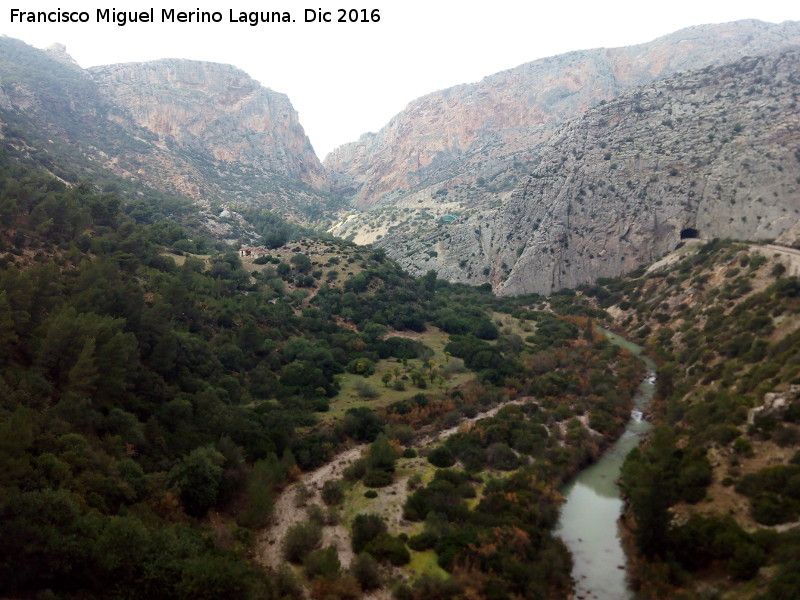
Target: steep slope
{"points": [[710, 501], [217, 118], [153, 404], [199, 130], [709, 153], [468, 146], [463, 131]]}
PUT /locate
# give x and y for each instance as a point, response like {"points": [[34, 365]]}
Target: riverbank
{"points": [[589, 522], [507, 463]]}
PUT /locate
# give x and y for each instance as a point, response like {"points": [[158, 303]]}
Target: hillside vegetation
{"points": [[713, 495], [157, 394], [203, 397]]}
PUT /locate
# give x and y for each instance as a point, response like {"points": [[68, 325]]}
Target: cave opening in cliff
{"points": [[690, 234]]}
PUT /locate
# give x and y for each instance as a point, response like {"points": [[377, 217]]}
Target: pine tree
{"points": [[83, 375]]}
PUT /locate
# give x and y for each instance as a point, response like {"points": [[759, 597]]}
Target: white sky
{"points": [[346, 79]]}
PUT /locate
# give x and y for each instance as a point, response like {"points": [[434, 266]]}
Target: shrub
{"points": [[423, 541], [743, 446], [365, 529], [362, 424], [332, 492], [414, 482], [500, 456], [786, 436], [381, 455], [300, 540], [771, 509], [402, 433], [377, 479], [365, 570], [387, 548], [370, 494], [302, 495], [441, 457], [361, 366], [316, 514], [746, 561], [365, 390], [322, 563]]}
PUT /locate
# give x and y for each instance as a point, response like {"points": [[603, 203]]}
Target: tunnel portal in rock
{"points": [[689, 234]]}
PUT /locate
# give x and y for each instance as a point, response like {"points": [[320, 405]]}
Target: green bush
{"points": [[362, 424], [377, 479], [746, 561], [361, 366], [355, 471], [365, 529], [332, 492], [441, 457], [423, 541], [322, 563], [365, 570], [500, 456], [768, 508], [300, 540], [387, 548]]}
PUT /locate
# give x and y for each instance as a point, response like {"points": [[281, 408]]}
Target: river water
{"points": [[589, 517]]}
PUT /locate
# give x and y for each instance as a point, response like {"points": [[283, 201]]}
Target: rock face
{"points": [[710, 153], [790, 237], [216, 112], [205, 131], [468, 146]]}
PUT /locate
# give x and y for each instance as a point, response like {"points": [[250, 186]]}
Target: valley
{"points": [[231, 370]]}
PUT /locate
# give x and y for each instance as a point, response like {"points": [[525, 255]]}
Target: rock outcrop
{"points": [[790, 237], [470, 145], [200, 130], [711, 153], [216, 112]]}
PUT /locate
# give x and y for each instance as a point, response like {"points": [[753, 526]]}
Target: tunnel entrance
{"points": [[689, 234]]}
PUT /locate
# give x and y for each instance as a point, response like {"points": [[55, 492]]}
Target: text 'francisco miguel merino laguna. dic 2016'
{"points": [[167, 15]]}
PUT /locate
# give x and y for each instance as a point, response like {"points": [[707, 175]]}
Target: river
{"points": [[589, 517]]}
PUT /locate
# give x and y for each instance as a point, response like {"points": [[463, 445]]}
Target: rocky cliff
{"points": [[215, 112], [467, 146], [205, 131], [710, 153]]}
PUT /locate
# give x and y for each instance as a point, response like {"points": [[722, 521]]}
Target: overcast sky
{"points": [[349, 78]]}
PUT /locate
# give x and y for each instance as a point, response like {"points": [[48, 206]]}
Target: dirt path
{"points": [[791, 257], [269, 543], [437, 436]]}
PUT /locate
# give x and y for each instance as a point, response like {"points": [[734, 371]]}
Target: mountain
{"points": [[708, 153], [204, 131], [455, 135], [181, 423], [216, 118], [469, 147]]}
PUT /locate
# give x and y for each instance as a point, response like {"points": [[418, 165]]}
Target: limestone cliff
{"points": [[712, 153], [467, 145], [216, 112], [790, 237], [200, 130]]}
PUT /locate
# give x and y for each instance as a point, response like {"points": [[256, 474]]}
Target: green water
{"points": [[588, 523]]}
